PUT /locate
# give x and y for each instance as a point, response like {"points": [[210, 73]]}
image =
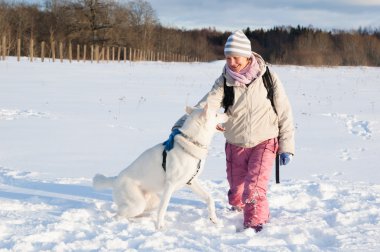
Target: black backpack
{"points": [[229, 95]]}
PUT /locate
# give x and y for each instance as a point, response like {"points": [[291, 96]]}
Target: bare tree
{"points": [[142, 20]]}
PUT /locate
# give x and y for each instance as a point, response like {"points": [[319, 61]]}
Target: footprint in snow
{"points": [[345, 155], [354, 127]]}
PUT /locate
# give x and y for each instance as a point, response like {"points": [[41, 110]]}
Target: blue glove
{"points": [[285, 158]]}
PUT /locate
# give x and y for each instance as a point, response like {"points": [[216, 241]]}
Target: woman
{"points": [[255, 132]]}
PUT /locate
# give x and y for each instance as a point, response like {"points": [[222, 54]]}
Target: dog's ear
{"points": [[205, 110], [189, 110]]}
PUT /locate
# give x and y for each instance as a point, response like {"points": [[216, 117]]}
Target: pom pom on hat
{"points": [[238, 45]]}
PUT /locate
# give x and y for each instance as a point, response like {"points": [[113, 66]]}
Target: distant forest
{"points": [[134, 24]]}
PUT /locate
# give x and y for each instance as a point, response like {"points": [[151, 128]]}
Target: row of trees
{"points": [[131, 24], [309, 46], [134, 24]]}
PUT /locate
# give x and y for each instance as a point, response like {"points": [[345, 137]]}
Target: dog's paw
{"points": [[216, 221], [160, 226]]}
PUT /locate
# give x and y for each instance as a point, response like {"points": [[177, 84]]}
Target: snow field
{"points": [[62, 123]]}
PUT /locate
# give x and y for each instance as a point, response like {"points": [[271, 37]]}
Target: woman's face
{"points": [[237, 63]]}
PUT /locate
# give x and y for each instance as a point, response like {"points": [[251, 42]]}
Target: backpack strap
{"points": [[268, 83], [229, 95], [277, 168]]}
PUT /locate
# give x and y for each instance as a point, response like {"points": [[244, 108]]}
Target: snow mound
{"points": [[13, 114]]}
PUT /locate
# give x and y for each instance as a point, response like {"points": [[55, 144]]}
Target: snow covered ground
{"points": [[61, 123]]}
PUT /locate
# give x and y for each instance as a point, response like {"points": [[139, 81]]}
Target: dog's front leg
{"points": [[167, 194], [199, 190]]}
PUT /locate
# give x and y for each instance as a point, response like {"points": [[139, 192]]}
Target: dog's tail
{"points": [[100, 182]]}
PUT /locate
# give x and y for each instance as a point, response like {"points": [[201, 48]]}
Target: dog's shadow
{"points": [[15, 185], [20, 186]]}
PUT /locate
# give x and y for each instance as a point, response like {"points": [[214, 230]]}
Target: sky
{"points": [[232, 15], [226, 15]]}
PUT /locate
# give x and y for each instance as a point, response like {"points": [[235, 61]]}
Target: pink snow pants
{"points": [[248, 174]]}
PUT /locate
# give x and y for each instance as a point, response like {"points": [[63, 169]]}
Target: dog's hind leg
{"points": [[129, 199], [152, 201], [200, 191], [167, 194]]}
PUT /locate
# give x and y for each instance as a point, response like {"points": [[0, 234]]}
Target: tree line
{"points": [[310, 46], [134, 24]]}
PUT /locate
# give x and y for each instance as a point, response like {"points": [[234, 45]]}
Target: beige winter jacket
{"points": [[252, 119]]}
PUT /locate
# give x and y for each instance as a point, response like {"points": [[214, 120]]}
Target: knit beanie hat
{"points": [[238, 45]]}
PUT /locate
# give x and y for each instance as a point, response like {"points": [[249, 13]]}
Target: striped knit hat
{"points": [[238, 45]]}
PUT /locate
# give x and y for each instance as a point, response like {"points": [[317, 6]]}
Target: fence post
{"points": [[31, 50], [4, 47], [9, 43], [70, 52], [103, 53], [42, 51], [84, 53], [97, 53], [53, 50], [61, 51], [78, 52], [108, 54], [92, 53], [18, 49], [125, 54], [113, 53], [118, 54]]}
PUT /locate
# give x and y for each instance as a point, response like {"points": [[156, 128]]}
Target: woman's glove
{"points": [[285, 158]]}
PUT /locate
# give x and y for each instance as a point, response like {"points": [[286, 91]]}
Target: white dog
{"points": [[136, 188]]}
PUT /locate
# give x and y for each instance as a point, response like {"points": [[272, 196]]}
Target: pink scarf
{"points": [[246, 75]]}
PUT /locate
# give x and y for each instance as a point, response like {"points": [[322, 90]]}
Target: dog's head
{"points": [[202, 121]]}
